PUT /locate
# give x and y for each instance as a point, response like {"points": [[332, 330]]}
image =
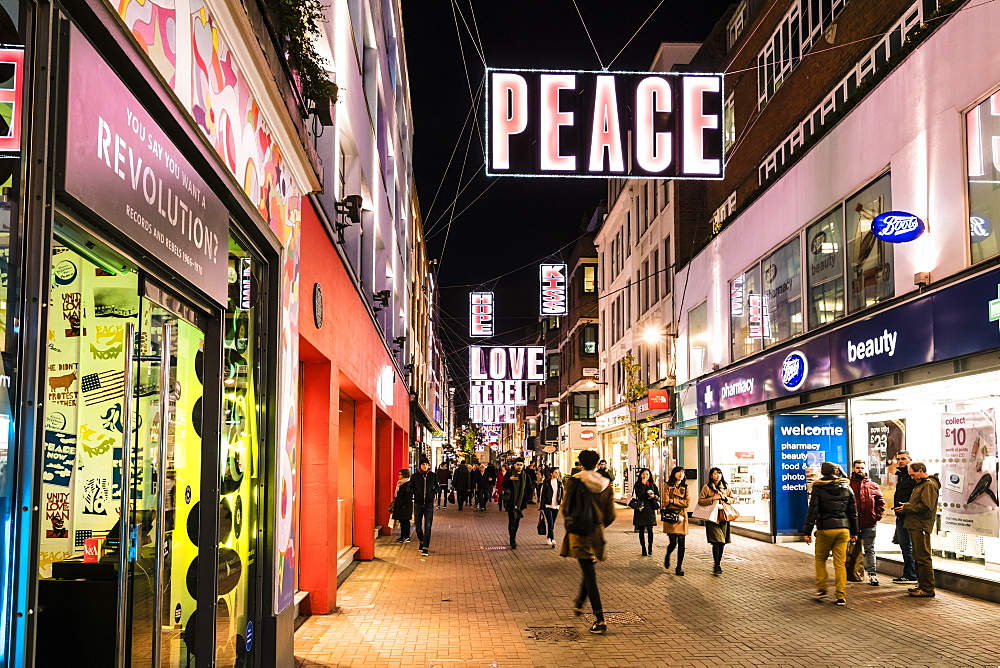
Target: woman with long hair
{"points": [[675, 503], [402, 505], [550, 497], [498, 491], [644, 504], [717, 533]]}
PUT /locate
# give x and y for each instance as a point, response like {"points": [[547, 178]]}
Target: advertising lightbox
{"points": [[507, 363], [480, 314], [604, 124], [553, 289]]}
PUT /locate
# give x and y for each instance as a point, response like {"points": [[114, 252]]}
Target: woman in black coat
{"points": [[402, 505], [644, 504]]}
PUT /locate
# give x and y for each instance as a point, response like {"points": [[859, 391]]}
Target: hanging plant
{"points": [[299, 21]]}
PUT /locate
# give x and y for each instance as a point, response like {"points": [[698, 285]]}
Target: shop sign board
{"points": [[120, 164], [12, 99], [897, 227], [659, 400], [481, 314], [969, 472], [507, 363], [801, 444], [604, 124], [553, 299], [549, 448], [888, 341]]}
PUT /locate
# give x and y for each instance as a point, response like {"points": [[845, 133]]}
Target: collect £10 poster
{"points": [[969, 472]]}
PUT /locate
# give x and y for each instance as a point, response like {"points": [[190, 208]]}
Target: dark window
{"points": [[588, 340]]}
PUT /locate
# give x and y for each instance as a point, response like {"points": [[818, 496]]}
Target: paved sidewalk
{"points": [[474, 604]]}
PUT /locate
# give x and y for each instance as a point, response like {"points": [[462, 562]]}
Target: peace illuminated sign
{"points": [[604, 124]]}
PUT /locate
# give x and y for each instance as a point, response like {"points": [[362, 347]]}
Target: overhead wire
{"points": [[461, 133], [587, 30], [651, 14]]}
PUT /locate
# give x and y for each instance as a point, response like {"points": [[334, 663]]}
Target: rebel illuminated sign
{"points": [[553, 289], [604, 124], [480, 314]]}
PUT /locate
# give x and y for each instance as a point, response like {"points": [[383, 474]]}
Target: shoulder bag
{"points": [[727, 513], [669, 516]]}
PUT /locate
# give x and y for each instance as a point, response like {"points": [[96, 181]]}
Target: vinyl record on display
{"points": [[193, 524], [192, 579], [232, 475], [196, 416], [238, 516], [225, 520], [199, 366], [230, 570], [190, 633]]}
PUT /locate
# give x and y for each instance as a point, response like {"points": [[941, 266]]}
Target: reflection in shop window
{"points": [[783, 290], [869, 258], [983, 124], [698, 340], [749, 313], [825, 265]]}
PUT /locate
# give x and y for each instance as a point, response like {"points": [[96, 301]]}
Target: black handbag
{"points": [[451, 496], [654, 503], [669, 516], [542, 528], [635, 504]]}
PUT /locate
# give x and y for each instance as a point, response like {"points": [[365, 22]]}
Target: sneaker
{"points": [[820, 593], [599, 628], [912, 589], [424, 552], [904, 581], [920, 593], [873, 580], [717, 570], [578, 609], [841, 601], [406, 540], [399, 540]]}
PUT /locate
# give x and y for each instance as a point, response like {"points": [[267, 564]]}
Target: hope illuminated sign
{"points": [[604, 124], [481, 314], [553, 278]]}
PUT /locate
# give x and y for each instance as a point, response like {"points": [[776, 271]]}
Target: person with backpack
{"points": [[717, 533], [515, 494], [645, 503], [587, 508], [833, 512]]}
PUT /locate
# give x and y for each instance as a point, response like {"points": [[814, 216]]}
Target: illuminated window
{"points": [[736, 23], [584, 405], [870, 277], [554, 365], [553, 322], [748, 313], [729, 123], [588, 340], [825, 268], [781, 274], [698, 340], [589, 278], [983, 123]]}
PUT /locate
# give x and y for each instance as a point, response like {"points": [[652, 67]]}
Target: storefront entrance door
{"points": [[122, 475]]}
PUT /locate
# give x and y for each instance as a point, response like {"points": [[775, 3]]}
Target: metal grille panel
{"points": [[554, 633], [616, 618]]}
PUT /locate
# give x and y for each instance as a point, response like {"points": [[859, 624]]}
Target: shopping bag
{"points": [[727, 513], [855, 563], [709, 513], [451, 496], [542, 529]]}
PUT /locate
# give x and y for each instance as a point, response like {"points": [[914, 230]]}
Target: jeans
{"points": [[922, 557], [588, 589], [867, 537], [832, 541], [482, 497], [423, 515], [906, 547], [442, 497], [513, 523], [550, 522]]}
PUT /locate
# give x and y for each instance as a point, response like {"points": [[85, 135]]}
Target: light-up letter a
{"points": [[606, 132], [509, 114], [652, 149]]}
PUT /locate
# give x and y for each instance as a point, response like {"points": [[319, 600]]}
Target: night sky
{"points": [[517, 221]]}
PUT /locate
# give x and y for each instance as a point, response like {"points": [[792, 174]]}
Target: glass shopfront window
{"points": [[949, 425], [782, 274], [698, 340], [749, 313], [869, 259], [742, 449], [983, 124], [825, 268]]}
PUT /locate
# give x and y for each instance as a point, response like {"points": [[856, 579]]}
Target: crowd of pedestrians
{"points": [[841, 519]]}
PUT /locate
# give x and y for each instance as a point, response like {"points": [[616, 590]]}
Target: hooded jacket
{"points": [[590, 546], [831, 506], [871, 503], [921, 509]]}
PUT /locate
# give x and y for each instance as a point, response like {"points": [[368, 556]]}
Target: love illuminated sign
{"points": [[553, 286], [480, 314], [604, 124]]}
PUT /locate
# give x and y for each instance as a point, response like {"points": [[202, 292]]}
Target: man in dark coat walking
{"points": [[517, 488], [460, 481], [423, 484], [477, 484]]}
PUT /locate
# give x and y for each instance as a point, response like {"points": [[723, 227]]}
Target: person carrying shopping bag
{"points": [[674, 515], [645, 503], [833, 512], [717, 530]]}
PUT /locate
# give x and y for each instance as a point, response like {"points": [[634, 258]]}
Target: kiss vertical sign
{"points": [[604, 124], [121, 165], [553, 289]]}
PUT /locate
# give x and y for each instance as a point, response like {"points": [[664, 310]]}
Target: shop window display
{"points": [[781, 272], [869, 259], [825, 268], [983, 123], [749, 312], [742, 449], [949, 425], [698, 340]]}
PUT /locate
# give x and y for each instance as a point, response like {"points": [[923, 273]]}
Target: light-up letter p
{"points": [[509, 115]]}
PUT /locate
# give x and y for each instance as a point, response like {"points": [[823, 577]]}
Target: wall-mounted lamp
{"points": [[382, 297], [350, 209], [922, 279], [399, 341], [594, 383]]}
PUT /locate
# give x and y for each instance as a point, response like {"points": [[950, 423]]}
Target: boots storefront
{"points": [[138, 443], [918, 375]]}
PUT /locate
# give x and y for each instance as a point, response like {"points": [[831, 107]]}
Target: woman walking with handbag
{"points": [[549, 498], [716, 492], [644, 504], [674, 515], [402, 505]]}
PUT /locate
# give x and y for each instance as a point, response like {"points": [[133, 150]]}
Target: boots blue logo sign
{"points": [[897, 227], [794, 370]]}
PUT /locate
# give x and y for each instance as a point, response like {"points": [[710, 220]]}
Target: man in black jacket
{"points": [[904, 489], [460, 481], [476, 479], [517, 488], [423, 485], [833, 511]]}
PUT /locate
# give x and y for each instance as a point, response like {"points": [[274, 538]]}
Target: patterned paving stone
{"points": [[469, 607]]}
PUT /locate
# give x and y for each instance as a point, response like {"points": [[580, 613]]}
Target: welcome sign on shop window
{"points": [[801, 444], [120, 164]]}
